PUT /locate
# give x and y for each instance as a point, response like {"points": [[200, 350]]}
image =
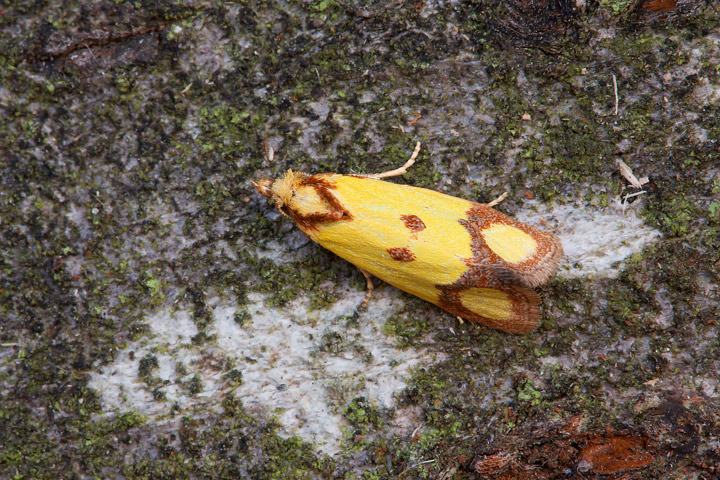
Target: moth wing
{"points": [[501, 274], [514, 251], [510, 308]]}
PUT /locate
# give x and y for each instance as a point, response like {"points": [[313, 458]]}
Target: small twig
{"points": [[616, 93], [369, 287], [97, 198], [269, 152], [630, 195], [627, 172], [419, 115], [417, 465]]}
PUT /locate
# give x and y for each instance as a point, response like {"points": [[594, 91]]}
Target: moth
{"points": [[465, 257]]}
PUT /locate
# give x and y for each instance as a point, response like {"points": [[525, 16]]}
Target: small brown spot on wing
{"points": [[401, 254], [413, 223]]}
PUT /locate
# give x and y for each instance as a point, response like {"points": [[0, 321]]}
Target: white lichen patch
{"points": [[120, 383], [300, 367], [308, 367], [595, 240]]}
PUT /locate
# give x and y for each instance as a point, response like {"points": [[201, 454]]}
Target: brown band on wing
{"points": [[336, 211], [319, 179], [488, 270]]}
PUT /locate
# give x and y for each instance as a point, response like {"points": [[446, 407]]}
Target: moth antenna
{"points": [[398, 171]]}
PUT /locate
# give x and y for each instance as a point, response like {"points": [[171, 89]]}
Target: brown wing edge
{"points": [[526, 311], [546, 263], [531, 272]]}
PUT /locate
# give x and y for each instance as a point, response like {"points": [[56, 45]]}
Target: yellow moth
{"points": [[463, 256]]}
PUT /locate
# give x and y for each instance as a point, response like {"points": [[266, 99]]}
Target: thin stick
{"points": [[616, 93], [417, 465], [398, 171], [630, 195], [627, 172], [417, 117]]}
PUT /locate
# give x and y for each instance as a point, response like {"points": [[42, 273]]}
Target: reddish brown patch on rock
{"points": [[542, 449], [614, 454], [658, 5], [413, 223], [401, 254], [492, 464]]}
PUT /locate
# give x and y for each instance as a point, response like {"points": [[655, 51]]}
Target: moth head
{"points": [[264, 186]]}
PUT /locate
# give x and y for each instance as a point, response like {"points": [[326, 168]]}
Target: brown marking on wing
{"points": [[531, 272], [413, 223], [658, 5], [336, 211], [401, 254], [320, 179], [525, 303], [487, 270]]}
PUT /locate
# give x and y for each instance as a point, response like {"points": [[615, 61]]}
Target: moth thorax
{"points": [[295, 194]]}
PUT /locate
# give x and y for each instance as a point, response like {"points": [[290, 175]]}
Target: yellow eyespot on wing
{"points": [[509, 243], [487, 302]]}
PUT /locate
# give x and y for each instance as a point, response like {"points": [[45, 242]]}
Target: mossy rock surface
{"points": [[134, 246]]}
